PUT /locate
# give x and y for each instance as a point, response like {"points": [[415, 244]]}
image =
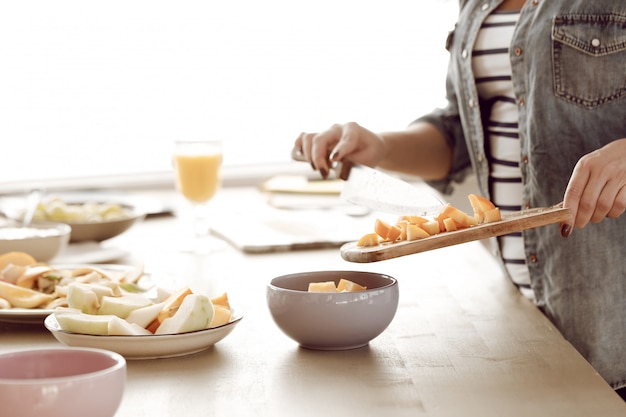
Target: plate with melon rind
{"points": [[147, 346], [17, 315]]}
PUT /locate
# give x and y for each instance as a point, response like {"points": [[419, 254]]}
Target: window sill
{"points": [[232, 176]]}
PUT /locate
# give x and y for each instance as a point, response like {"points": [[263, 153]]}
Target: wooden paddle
{"points": [[514, 222]]}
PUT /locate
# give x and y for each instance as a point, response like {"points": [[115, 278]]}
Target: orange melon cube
{"points": [[492, 215], [370, 239], [480, 205], [414, 219], [345, 285], [431, 227], [414, 232], [449, 224], [328, 286]]}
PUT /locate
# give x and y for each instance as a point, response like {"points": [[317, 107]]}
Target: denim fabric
{"points": [[569, 76]]}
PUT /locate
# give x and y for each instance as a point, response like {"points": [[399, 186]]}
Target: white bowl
{"points": [[68, 382], [333, 321], [42, 240]]}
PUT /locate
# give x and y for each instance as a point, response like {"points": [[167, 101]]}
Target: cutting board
{"points": [[514, 222]]}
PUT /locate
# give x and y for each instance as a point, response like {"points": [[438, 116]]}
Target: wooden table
{"points": [[463, 343]]}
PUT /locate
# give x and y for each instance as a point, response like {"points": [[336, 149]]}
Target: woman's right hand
{"points": [[349, 141]]}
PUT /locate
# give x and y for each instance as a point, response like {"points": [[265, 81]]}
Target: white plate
{"points": [[146, 347], [24, 315], [89, 253], [38, 315]]}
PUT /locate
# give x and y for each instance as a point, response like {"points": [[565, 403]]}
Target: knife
{"points": [[374, 189]]}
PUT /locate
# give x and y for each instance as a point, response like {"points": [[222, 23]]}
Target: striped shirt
{"points": [[492, 70]]}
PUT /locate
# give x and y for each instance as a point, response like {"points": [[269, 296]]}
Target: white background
{"points": [[91, 88]]}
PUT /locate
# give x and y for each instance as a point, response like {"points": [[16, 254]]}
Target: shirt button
{"points": [[521, 102], [484, 6], [525, 159], [595, 42], [534, 2], [464, 53], [471, 103], [518, 51], [526, 205], [533, 258]]}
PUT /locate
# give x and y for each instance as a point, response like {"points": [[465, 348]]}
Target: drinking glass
{"points": [[197, 165]]}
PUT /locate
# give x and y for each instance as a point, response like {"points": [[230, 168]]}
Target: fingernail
{"points": [[324, 173], [313, 166], [566, 230], [334, 156]]}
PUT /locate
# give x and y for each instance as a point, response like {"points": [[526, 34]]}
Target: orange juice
{"points": [[198, 175]]}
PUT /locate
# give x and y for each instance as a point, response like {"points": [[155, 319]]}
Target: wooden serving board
{"points": [[515, 222]]}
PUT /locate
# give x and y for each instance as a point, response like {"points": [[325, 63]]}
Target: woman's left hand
{"points": [[597, 188]]}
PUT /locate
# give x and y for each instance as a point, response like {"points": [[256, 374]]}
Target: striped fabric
{"points": [[492, 70]]}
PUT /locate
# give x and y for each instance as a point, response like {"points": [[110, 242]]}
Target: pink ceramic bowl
{"points": [[63, 382], [333, 321]]}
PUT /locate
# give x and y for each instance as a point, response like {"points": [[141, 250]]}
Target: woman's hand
{"points": [[597, 188], [348, 141]]}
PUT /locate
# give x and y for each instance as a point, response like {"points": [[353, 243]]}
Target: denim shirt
{"points": [[569, 76]]}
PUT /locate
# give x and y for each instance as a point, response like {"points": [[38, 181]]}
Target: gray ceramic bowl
{"points": [[333, 321], [42, 240], [105, 229], [69, 382]]}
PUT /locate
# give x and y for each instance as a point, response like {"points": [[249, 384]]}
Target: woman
{"points": [[537, 109]]}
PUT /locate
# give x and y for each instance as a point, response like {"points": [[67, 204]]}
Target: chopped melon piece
{"points": [[172, 303], [194, 313], [414, 219], [414, 232], [16, 258], [461, 218], [73, 320], [120, 327], [87, 297], [221, 300], [431, 227], [145, 315], [328, 286], [449, 224], [23, 297], [394, 233], [387, 231], [124, 305], [221, 315], [370, 239], [346, 285], [492, 215], [480, 205]]}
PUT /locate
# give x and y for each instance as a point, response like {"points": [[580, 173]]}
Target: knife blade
{"points": [[382, 192], [376, 190]]}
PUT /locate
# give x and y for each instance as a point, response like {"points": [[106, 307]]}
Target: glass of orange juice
{"points": [[197, 166]]}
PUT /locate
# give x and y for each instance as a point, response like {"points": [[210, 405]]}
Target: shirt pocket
{"points": [[589, 58]]}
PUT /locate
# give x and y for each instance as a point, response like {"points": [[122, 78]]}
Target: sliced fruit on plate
{"points": [[23, 297], [145, 315], [16, 258], [194, 313], [73, 320], [172, 304], [121, 327], [122, 306]]}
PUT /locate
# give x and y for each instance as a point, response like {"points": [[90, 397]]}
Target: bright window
{"points": [[99, 88]]}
